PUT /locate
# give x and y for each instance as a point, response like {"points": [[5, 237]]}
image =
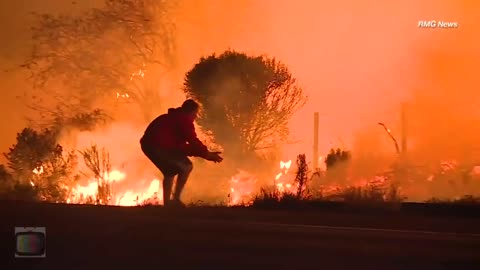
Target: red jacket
{"points": [[174, 131]]}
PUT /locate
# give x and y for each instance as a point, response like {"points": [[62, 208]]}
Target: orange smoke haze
{"points": [[357, 61]]}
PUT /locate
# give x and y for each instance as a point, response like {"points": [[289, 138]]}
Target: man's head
{"points": [[191, 107]]}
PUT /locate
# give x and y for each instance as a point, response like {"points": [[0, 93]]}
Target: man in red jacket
{"points": [[168, 141]]}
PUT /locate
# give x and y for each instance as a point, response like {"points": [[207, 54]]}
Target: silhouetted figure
{"points": [[168, 142]]}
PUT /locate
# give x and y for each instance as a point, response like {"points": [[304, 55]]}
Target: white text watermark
{"points": [[437, 24]]}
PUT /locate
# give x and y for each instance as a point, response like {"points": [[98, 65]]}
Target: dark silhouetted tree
{"points": [[247, 100], [38, 161], [102, 53], [6, 180], [30, 150]]}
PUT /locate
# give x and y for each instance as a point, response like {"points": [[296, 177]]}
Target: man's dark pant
{"points": [[170, 163]]}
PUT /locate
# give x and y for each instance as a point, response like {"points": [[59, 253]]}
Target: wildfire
{"points": [[282, 183], [38, 170], [121, 198], [150, 196], [284, 166], [123, 95], [243, 185], [140, 73]]}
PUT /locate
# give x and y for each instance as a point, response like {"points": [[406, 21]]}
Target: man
{"points": [[168, 141]]}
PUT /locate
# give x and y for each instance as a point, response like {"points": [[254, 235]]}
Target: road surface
{"points": [[155, 238]]}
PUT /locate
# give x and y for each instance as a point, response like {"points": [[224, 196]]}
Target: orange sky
{"points": [[357, 60]]}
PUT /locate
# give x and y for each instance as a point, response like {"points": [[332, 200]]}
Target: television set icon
{"points": [[30, 242]]}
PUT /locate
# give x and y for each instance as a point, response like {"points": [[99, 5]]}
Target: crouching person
{"points": [[168, 141]]}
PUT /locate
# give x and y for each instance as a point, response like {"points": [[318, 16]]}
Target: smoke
{"points": [[444, 118], [357, 63], [122, 141]]}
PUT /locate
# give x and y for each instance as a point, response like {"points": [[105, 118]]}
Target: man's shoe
{"points": [[176, 203], [167, 203]]}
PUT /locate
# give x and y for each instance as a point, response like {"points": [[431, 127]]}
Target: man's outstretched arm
{"points": [[196, 147]]}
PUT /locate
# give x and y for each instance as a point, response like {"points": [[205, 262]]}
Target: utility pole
{"points": [[402, 172], [315, 140], [404, 126]]}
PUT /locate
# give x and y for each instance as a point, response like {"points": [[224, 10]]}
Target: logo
{"points": [[437, 24], [30, 242]]}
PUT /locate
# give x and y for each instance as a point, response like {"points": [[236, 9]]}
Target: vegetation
{"points": [[337, 163], [118, 51], [104, 52], [41, 170], [98, 162], [336, 158], [247, 100], [301, 176]]}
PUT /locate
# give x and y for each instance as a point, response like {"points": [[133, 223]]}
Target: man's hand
{"points": [[214, 156]]}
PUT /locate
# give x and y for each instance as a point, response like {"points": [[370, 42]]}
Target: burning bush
{"points": [[40, 167], [286, 193], [98, 162]]}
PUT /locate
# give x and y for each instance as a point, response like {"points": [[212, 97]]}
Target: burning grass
{"points": [[125, 183], [269, 197]]}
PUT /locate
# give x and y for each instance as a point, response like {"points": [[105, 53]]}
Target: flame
{"points": [[130, 198], [285, 165], [115, 175], [121, 197], [242, 187], [38, 170], [140, 73], [282, 184], [122, 95]]}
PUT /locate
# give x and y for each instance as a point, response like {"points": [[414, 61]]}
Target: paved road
{"points": [[112, 238]]}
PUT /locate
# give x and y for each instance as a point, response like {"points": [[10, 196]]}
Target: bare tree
{"points": [[103, 53], [247, 100]]}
